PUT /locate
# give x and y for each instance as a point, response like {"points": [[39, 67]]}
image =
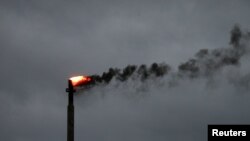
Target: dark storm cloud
{"points": [[44, 42]]}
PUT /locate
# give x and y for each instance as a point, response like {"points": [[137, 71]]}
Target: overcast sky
{"points": [[45, 42]]}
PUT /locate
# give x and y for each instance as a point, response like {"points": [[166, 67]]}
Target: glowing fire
{"points": [[78, 80]]}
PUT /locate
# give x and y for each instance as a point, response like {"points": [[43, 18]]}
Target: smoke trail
{"points": [[142, 72], [205, 63]]}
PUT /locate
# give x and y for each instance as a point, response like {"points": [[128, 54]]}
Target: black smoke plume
{"points": [[142, 72], [205, 63]]}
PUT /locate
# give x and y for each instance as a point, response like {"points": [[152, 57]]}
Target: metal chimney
{"points": [[70, 117]]}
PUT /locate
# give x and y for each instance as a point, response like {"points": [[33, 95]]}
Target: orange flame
{"points": [[78, 80]]}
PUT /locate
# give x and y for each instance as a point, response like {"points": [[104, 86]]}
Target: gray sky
{"points": [[44, 42]]}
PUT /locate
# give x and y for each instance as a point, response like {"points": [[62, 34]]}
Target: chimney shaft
{"points": [[70, 117]]}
